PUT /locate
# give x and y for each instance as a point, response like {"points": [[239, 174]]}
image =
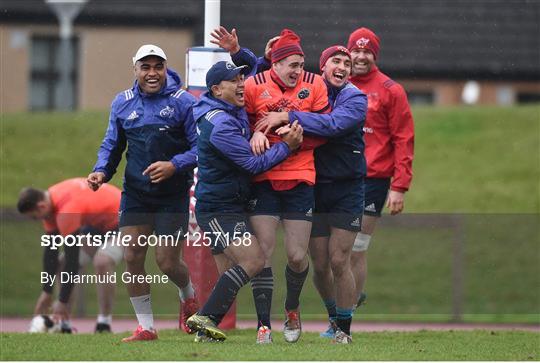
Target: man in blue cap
{"points": [[226, 165]]}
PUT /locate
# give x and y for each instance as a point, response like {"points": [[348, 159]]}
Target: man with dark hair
{"points": [[155, 118], [70, 208], [339, 190], [226, 165]]}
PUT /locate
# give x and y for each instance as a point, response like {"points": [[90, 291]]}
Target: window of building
{"points": [[528, 97], [420, 97], [46, 65]]}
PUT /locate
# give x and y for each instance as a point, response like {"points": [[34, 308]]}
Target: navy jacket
{"points": [[157, 127], [226, 162], [342, 157]]}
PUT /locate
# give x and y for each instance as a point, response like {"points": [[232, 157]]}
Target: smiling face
{"points": [[362, 61], [337, 69], [289, 69], [151, 73], [231, 91]]}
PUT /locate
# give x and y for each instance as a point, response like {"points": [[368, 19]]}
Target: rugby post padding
{"points": [[199, 259]]}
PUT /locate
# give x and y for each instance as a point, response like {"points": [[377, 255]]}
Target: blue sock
{"points": [[224, 293], [344, 318], [331, 308], [262, 287]]}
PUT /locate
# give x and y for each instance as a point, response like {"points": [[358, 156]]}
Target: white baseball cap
{"points": [[149, 49]]}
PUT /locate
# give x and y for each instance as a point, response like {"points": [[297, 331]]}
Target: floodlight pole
{"points": [[66, 11], [212, 10]]}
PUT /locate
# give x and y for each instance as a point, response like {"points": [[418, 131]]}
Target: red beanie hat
{"points": [[330, 52], [287, 44], [364, 38]]}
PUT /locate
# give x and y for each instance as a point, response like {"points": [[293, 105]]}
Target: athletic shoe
{"points": [[201, 323], [331, 331], [140, 334], [293, 327], [362, 299], [342, 338], [187, 309], [264, 335], [200, 337], [102, 328]]}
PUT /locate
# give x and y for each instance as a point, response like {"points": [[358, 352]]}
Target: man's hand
{"points": [[271, 120], [292, 135], [226, 40], [60, 311], [160, 171], [43, 304], [268, 48], [95, 180], [259, 143], [395, 202]]}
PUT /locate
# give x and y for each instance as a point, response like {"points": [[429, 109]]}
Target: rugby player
{"points": [[70, 208], [155, 118], [226, 165]]}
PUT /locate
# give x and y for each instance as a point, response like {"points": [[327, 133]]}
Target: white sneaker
{"points": [[293, 327], [264, 335], [342, 338]]}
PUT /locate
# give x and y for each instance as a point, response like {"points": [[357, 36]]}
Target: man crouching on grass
{"points": [[226, 165]]}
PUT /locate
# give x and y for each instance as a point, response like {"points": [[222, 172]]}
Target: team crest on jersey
{"points": [[167, 112], [362, 42], [304, 93], [240, 228]]}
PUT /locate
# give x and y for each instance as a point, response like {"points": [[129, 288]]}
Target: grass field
{"points": [[172, 345], [467, 160], [481, 161]]}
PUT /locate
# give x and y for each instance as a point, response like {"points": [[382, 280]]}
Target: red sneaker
{"points": [[141, 334], [187, 309]]}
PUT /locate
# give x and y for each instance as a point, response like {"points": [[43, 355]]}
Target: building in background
{"points": [[434, 48]]}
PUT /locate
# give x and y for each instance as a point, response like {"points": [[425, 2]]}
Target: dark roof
{"points": [[159, 13], [419, 38], [453, 39]]}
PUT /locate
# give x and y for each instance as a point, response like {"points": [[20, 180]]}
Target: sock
{"points": [[186, 292], [143, 309], [331, 308], [344, 318], [262, 286], [295, 281], [104, 319], [224, 293]]}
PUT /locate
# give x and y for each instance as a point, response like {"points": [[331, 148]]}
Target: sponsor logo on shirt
{"points": [[132, 116]]}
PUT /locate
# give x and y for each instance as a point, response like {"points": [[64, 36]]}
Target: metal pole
{"points": [[457, 268], [212, 11]]}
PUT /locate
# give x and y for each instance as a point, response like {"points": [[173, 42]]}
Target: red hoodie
{"points": [[389, 129]]}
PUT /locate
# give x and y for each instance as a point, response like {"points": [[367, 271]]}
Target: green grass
{"points": [[476, 160], [172, 345], [484, 161]]}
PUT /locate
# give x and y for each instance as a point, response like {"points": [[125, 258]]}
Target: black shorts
{"points": [[294, 204], [376, 193], [167, 216], [338, 204], [222, 225]]}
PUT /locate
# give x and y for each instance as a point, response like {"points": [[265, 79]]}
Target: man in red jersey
{"points": [[70, 208], [285, 193], [389, 138]]}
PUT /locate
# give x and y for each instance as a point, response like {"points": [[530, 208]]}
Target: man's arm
{"points": [[226, 138], [188, 159], [240, 56], [111, 149], [346, 116]]}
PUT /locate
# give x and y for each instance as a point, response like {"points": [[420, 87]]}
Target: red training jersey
{"points": [[388, 130], [264, 94], [76, 205]]}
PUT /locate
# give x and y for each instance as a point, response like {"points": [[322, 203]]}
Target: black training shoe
{"points": [[103, 328]]}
